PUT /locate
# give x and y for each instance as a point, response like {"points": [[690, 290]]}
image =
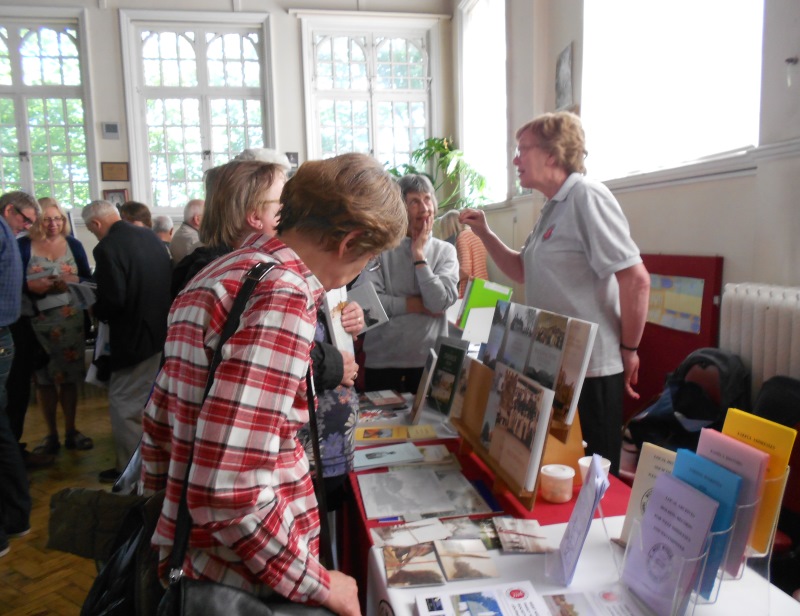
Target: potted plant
{"points": [[457, 184]]}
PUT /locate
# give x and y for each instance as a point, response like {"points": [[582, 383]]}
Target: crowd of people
{"points": [[164, 296]]}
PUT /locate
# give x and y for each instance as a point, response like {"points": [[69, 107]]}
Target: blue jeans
{"points": [[15, 498]]}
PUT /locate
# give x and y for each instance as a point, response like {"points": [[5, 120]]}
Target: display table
{"points": [[356, 526], [598, 567]]}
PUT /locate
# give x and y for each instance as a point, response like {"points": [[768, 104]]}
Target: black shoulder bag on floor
{"points": [[187, 597]]}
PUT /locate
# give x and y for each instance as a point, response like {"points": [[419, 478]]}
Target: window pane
{"points": [[398, 59], [169, 59], [49, 56], [5, 59], [227, 65]]}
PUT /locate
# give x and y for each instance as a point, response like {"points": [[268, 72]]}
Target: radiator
{"points": [[761, 324]]}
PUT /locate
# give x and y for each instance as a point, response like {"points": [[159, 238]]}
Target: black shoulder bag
{"points": [[185, 596]]}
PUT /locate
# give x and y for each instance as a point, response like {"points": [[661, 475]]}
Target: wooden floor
{"points": [[33, 579]]}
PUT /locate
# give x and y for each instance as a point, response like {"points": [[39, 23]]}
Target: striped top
{"points": [[256, 524], [471, 259]]}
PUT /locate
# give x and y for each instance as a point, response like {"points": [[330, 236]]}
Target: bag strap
{"points": [[183, 522]]}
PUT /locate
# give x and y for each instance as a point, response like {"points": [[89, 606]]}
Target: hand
{"points": [[59, 285], [40, 286], [350, 369], [352, 318], [343, 598], [630, 366], [419, 237], [475, 220]]}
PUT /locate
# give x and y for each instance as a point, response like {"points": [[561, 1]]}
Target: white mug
{"points": [[585, 461]]}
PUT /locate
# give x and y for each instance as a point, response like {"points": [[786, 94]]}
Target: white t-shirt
{"points": [[580, 241]]}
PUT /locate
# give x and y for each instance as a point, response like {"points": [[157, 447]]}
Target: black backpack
{"points": [[697, 395]]}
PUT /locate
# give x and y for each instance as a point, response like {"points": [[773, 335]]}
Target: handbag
{"points": [[186, 596]]}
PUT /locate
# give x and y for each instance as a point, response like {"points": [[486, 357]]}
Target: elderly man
{"points": [[416, 283], [133, 275], [163, 228], [20, 210], [187, 237], [15, 499]]}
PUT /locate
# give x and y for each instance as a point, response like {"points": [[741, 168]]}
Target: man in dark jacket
{"points": [[132, 271]]}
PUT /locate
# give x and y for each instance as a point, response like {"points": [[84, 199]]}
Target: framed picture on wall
{"points": [[116, 196], [114, 172]]}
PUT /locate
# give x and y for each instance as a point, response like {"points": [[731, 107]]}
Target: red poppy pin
{"points": [[548, 233]]}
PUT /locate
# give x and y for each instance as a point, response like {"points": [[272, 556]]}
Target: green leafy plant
{"points": [[456, 182]]}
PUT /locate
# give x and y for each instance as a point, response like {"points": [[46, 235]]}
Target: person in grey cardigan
{"points": [[416, 283]]}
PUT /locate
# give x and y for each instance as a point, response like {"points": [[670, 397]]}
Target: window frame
{"points": [[351, 23], [133, 19], [56, 16]]}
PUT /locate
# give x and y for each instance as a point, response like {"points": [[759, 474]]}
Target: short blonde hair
{"points": [[449, 224], [327, 199], [234, 190], [561, 135], [37, 231]]}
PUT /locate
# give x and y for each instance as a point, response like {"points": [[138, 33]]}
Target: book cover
{"points": [[723, 486], [384, 397], [478, 325], [572, 371], [436, 454], [659, 563], [423, 387], [653, 460], [402, 492], [411, 533], [444, 380], [393, 434], [504, 382], [521, 536], [775, 440], [519, 336], [401, 453], [463, 497], [460, 390], [497, 332], [465, 559], [383, 417], [513, 599], [547, 347], [521, 427], [751, 465], [335, 301], [482, 294], [467, 528], [410, 566], [366, 297]]}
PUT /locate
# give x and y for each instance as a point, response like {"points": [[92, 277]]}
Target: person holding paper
{"points": [[52, 257], [416, 284], [580, 261]]}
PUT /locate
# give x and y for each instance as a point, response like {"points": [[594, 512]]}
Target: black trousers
{"points": [[600, 410]]}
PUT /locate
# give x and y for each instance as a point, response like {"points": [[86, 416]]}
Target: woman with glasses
{"points": [[52, 258], [580, 261]]}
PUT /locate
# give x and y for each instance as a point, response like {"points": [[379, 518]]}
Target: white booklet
{"points": [[366, 297], [514, 599], [387, 455], [335, 301]]}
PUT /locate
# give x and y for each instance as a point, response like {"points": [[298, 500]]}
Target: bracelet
{"points": [[420, 262], [627, 348]]}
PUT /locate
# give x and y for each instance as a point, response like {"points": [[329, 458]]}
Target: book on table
{"points": [[510, 599], [335, 301], [518, 337], [385, 434], [751, 465], [776, 440], [460, 389], [653, 460], [521, 536], [723, 486], [465, 559], [664, 554], [386, 455], [497, 333], [423, 387], [481, 294], [450, 354], [366, 297], [383, 397], [521, 428]]}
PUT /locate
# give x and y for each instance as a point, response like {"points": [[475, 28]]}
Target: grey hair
{"points": [[417, 183], [98, 209], [20, 200], [162, 224], [266, 155], [192, 209]]}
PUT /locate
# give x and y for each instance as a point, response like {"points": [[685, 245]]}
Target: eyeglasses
{"points": [[48, 220], [28, 221], [373, 265]]}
